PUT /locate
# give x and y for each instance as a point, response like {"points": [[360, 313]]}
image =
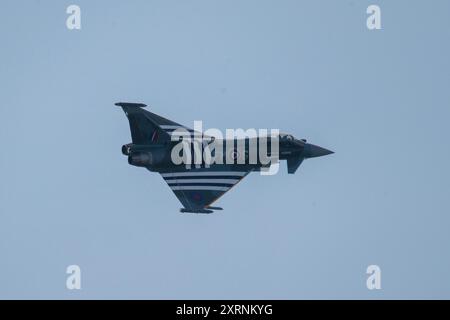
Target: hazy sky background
{"points": [[379, 99]]}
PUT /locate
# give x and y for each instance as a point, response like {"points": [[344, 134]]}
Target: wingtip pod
{"points": [[213, 208], [205, 211], [130, 104]]}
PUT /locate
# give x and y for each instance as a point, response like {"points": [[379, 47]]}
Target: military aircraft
{"points": [[199, 185]]}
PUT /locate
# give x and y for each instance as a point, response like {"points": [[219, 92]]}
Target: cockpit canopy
{"points": [[286, 137]]}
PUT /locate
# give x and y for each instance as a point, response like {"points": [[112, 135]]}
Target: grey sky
{"points": [[379, 99]]}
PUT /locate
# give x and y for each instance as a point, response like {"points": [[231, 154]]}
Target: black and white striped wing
{"points": [[198, 188]]}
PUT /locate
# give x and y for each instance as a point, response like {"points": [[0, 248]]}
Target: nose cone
{"points": [[313, 151]]}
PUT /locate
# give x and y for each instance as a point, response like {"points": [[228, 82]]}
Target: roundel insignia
{"points": [[234, 154], [197, 196]]}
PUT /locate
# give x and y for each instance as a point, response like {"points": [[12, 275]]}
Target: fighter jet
{"points": [[198, 185]]}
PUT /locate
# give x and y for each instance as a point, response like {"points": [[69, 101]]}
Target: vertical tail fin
{"points": [[142, 129], [147, 127]]}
